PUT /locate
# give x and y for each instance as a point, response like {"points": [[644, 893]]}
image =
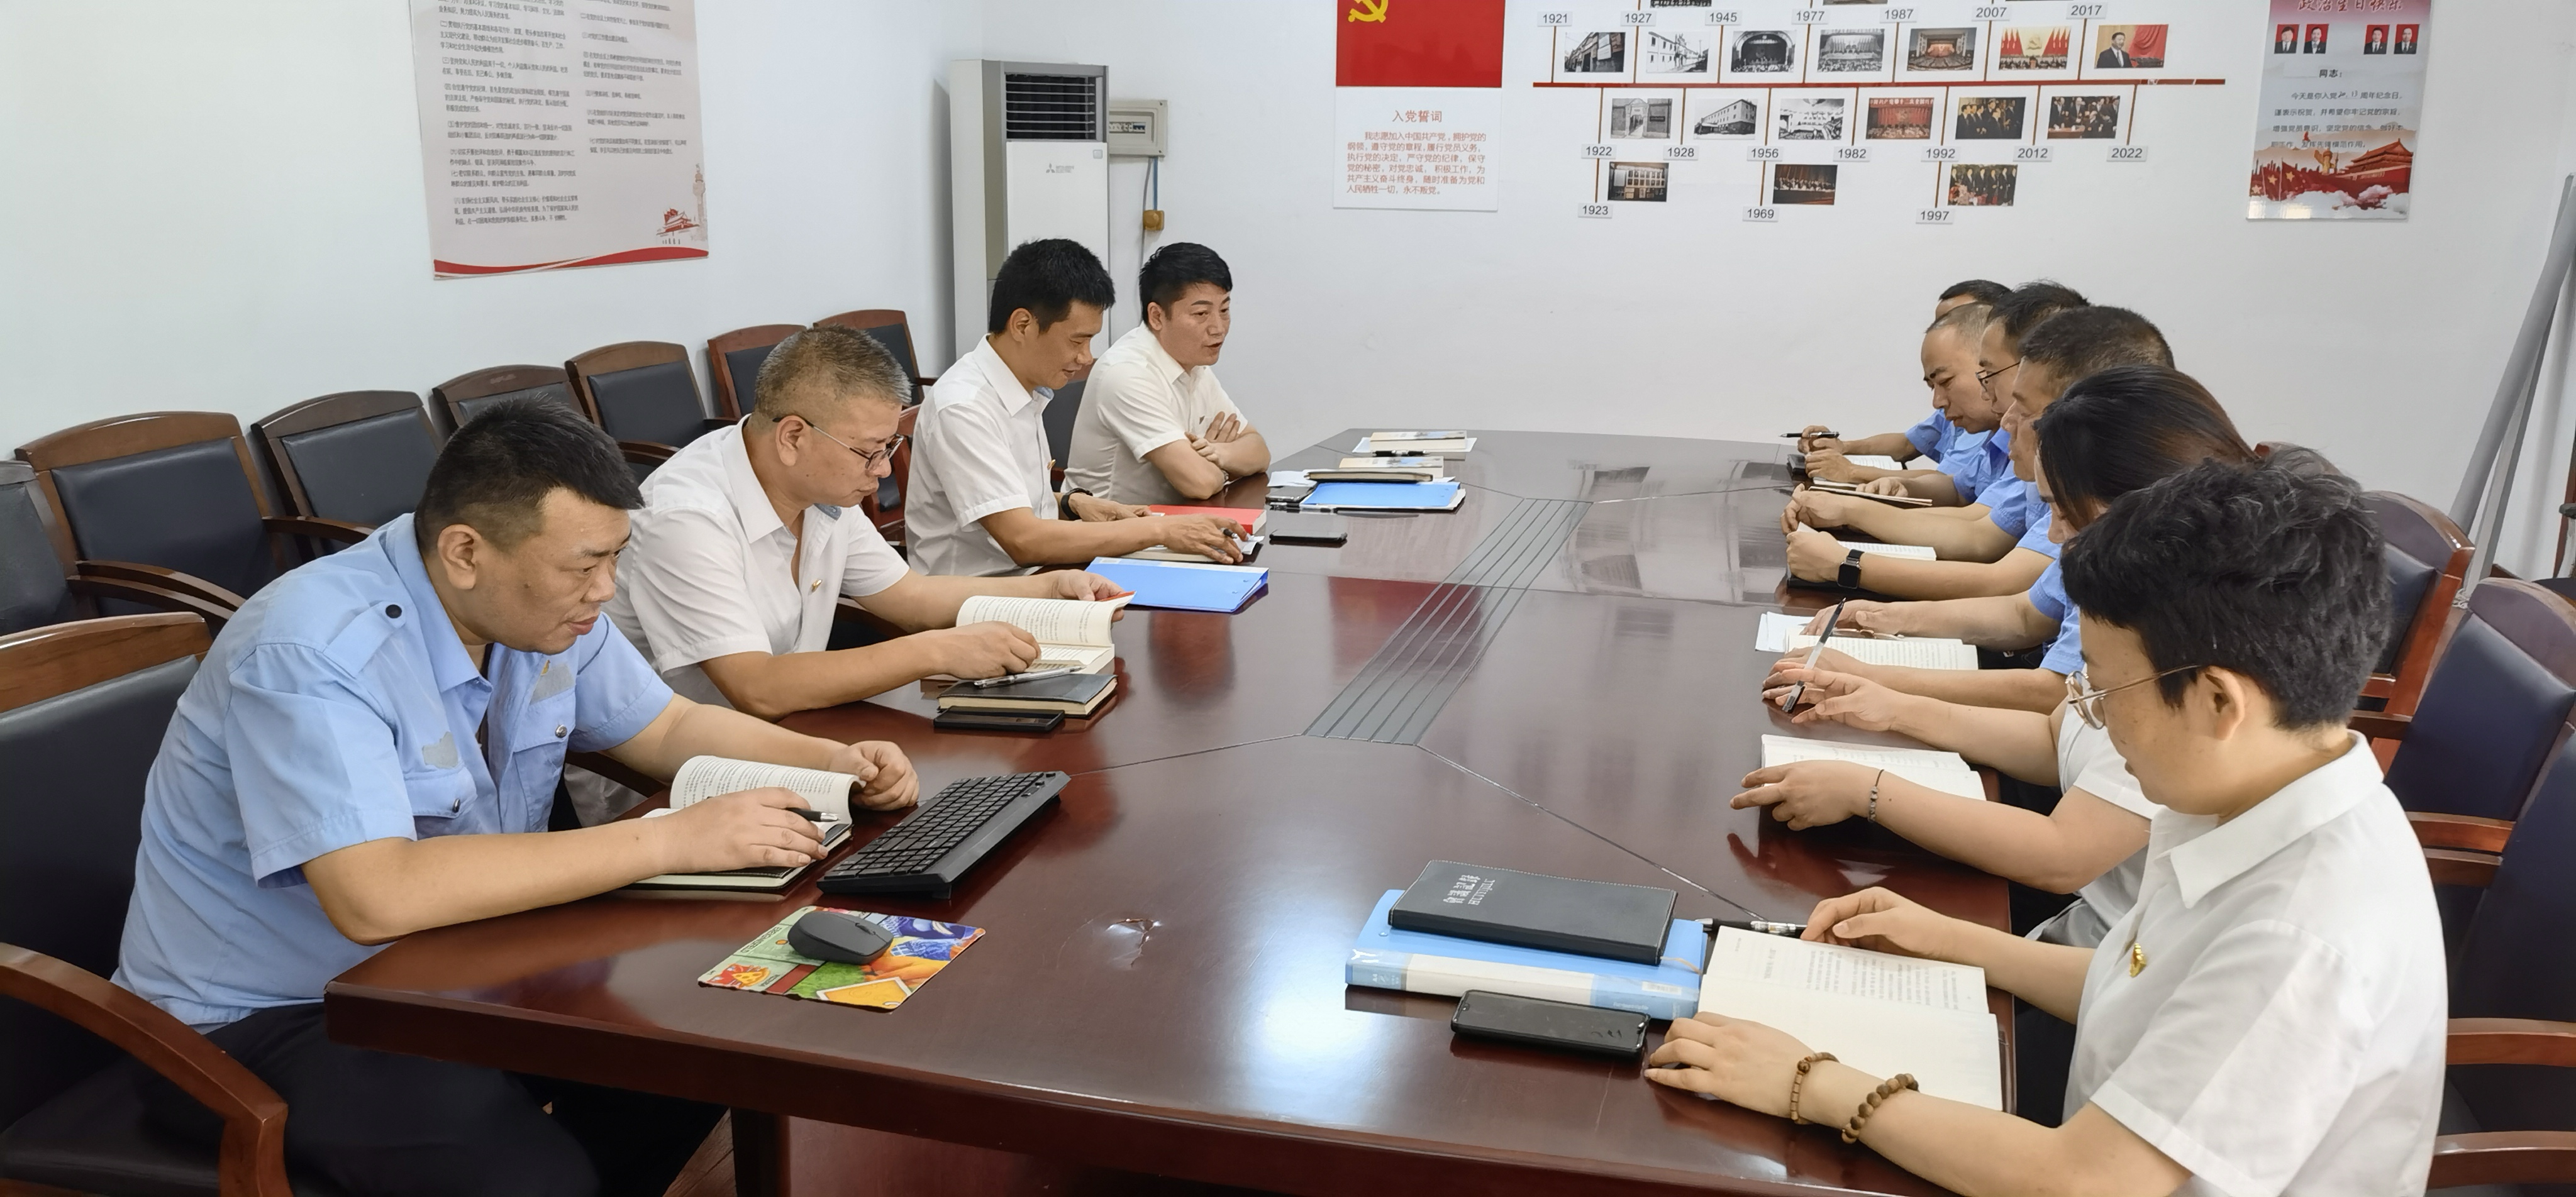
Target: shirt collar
{"points": [[448, 664], [1168, 366], [997, 374], [759, 517], [2226, 850]]}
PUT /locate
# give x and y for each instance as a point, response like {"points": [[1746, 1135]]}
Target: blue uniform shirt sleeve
{"points": [[2048, 594], [2066, 653], [1931, 436], [2007, 501], [615, 692], [314, 763], [2036, 539]]}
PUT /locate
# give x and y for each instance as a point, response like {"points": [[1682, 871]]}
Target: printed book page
{"points": [[1875, 461], [1913, 652], [705, 777], [1052, 621], [1947, 772], [1879, 1013], [1914, 552], [1852, 972]]}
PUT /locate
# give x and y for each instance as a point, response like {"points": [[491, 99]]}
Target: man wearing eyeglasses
{"points": [[751, 535]]}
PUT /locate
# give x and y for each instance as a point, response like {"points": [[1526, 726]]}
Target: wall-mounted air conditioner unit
{"points": [[1028, 159]]}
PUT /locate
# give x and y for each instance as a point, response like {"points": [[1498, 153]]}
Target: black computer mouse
{"points": [[838, 935]]}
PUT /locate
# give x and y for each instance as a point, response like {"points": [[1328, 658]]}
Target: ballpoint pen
{"points": [[1790, 703], [1798, 435], [1757, 926], [1031, 676]]}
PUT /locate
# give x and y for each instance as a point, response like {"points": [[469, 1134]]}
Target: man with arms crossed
{"points": [[1155, 425], [982, 502], [750, 535], [372, 748]]}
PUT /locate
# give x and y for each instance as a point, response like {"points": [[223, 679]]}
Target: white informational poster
{"points": [[1417, 147], [559, 133], [2343, 97]]}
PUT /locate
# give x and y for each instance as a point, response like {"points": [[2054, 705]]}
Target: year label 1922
{"points": [[1599, 151]]}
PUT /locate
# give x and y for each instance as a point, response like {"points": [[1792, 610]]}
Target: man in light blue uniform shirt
{"points": [[373, 747]]}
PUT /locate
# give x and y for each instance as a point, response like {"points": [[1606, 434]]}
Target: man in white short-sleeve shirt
{"points": [[750, 536], [982, 501], [2269, 1016], [1155, 425]]}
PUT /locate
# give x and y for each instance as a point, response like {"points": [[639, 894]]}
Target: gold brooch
{"points": [[2137, 958]]}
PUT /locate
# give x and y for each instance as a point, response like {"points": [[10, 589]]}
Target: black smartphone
{"points": [[1537, 1022], [1035, 721], [1309, 527]]}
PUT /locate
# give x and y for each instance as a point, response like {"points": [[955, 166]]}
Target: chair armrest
{"points": [[153, 597], [253, 1158], [2460, 831], [165, 579], [314, 525], [617, 771], [2453, 866], [2512, 1041], [646, 452], [2503, 1158], [927, 383], [2378, 685], [2379, 725]]}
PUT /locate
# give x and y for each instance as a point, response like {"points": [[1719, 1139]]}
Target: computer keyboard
{"points": [[933, 846]]}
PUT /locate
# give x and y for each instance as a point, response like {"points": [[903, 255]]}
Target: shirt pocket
{"points": [[438, 800]]}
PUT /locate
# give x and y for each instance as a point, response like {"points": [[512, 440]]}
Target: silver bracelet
{"points": [[1872, 816]]}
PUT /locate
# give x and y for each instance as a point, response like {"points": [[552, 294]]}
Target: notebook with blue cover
{"points": [[1443, 495], [1182, 585], [1446, 966]]}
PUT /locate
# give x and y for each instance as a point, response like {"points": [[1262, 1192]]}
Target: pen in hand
{"points": [[1820, 435], [1789, 702]]}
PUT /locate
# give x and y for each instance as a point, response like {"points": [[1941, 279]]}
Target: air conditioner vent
{"points": [[1051, 107]]}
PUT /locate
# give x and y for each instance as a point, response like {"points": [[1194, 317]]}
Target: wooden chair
{"points": [[82, 710], [2494, 708], [893, 330], [643, 394], [168, 499], [454, 402], [2513, 997], [885, 508], [38, 587], [360, 457], [2427, 556], [734, 360]]}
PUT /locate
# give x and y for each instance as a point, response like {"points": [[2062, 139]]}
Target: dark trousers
{"points": [[2043, 1050], [373, 1123]]}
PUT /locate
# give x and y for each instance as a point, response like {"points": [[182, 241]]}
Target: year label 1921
{"points": [[1555, 19]]}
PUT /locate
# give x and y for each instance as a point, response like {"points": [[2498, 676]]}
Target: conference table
{"points": [[1557, 677]]}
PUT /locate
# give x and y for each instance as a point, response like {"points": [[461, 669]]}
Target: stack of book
{"points": [[1462, 927], [1074, 695], [1416, 444], [1384, 469]]}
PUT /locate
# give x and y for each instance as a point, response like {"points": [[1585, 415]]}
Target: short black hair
{"points": [[1048, 277], [1175, 267], [2031, 303], [2127, 428], [494, 475], [1985, 291], [2080, 341], [2272, 571]]}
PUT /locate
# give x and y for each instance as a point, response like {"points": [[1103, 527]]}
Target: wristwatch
{"points": [[1064, 502], [1849, 575]]}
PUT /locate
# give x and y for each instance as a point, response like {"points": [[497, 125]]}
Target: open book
{"points": [[1916, 552], [1879, 1013], [1070, 632], [1853, 489], [1913, 652], [704, 777], [1947, 772]]}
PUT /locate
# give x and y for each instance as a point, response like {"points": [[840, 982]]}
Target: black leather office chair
{"points": [[454, 403], [643, 394], [2426, 556], [33, 590], [360, 457], [2513, 994], [168, 499], [83, 707], [733, 364], [892, 329], [2496, 704]]}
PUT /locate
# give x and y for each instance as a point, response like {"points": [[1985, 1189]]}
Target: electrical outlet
{"points": [[1153, 220]]}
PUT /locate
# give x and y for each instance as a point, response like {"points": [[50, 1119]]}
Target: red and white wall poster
{"points": [[558, 133], [1418, 102], [2343, 97]]}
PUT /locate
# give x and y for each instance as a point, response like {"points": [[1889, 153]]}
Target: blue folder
{"points": [[1183, 586], [1383, 496]]}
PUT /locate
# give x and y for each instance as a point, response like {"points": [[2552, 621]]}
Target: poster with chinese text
{"points": [[2343, 97], [1417, 103]]}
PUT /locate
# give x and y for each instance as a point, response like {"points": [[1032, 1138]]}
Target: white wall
{"points": [[220, 206]]}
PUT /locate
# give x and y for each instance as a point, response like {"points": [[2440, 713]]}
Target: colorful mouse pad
{"points": [[921, 948]]}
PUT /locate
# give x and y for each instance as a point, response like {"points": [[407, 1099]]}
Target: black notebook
{"points": [[1075, 694], [1534, 910]]}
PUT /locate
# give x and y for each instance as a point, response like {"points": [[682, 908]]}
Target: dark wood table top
{"points": [[1160, 983]]}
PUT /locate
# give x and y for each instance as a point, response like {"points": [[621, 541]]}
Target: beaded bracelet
{"points": [[1872, 816], [1886, 1088], [1798, 1083]]}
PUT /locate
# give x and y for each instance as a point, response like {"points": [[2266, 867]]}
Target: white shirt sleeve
{"points": [[2241, 1073], [870, 565], [689, 580], [1136, 406], [2094, 765], [978, 463]]}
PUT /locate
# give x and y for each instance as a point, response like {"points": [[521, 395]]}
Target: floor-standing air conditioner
{"points": [[1028, 159]]}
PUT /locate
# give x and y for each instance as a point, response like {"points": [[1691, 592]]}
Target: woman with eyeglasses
{"points": [[2266, 1016], [2112, 433]]}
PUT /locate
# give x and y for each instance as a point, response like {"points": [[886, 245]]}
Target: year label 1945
{"points": [[1724, 16]]}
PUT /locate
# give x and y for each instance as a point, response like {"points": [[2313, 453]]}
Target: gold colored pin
{"points": [[2137, 958]]}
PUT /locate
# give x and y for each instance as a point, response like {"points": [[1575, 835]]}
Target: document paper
{"points": [[705, 777], [1913, 652], [1947, 772], [1879, 1013], [1911, 552]]}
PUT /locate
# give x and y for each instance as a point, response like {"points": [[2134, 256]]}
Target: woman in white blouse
{"points": [[2268, 1017]]}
